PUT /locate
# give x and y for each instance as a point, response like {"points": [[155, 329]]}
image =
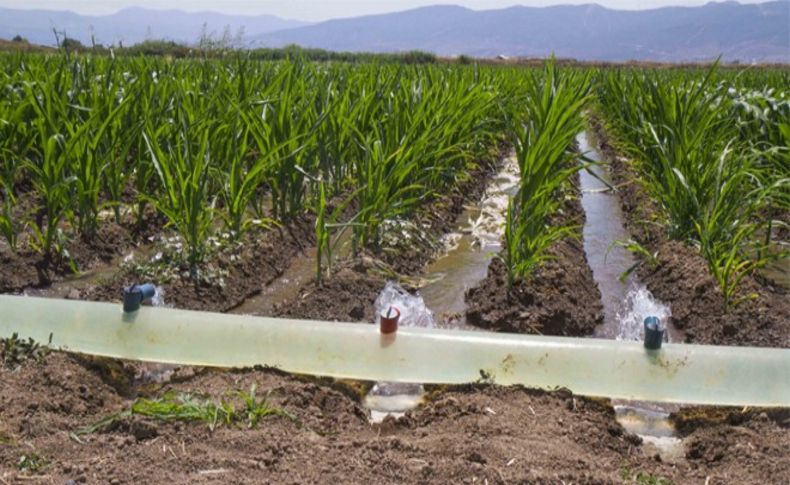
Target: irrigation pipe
{"points": [[692, 374]]}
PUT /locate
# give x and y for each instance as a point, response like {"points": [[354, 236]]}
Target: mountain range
{"points": [[748, 32], [133, 25]]}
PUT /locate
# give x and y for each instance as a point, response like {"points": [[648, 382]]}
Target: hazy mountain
{"points": [[132, 25], [744, 32]]}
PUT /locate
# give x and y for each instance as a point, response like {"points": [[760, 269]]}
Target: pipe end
{"points": [[654, 333]]}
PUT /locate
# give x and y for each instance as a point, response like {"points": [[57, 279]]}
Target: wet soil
{"points": [[347, 296], [438, 217], [245, 269], [681, 278], [728, 441], [26, 268], [561, 298]]}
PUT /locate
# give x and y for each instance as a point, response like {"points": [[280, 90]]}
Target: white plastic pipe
{"points": [[692, 374]]}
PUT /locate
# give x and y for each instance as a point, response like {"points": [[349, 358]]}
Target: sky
{"points": [[315, 10]]}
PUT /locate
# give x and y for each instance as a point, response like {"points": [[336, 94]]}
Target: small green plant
{"points": [[7, 227], [32, 462], [191, 407], [641, 478], [243, 177], [637, 249], [323, 246], [14, 351], [185, 407], [184, 173], [255, 409]]}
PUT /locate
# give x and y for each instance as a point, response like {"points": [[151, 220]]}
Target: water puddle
{"points": [[470, 248], [286, 287], [626, 302]]}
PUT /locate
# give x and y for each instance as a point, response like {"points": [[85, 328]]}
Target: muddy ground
{"points": [[355, 283], [681, 278], [468, 434], [321, 433], [561, 298]]}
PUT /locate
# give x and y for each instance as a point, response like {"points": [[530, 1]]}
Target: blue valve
{"points": [[135, 295]]}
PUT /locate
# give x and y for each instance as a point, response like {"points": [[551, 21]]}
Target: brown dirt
{"points": [[728, 443], [28, 269], [482, 432], [347, 296], [561, 298], [464, 434], [682, 280]]}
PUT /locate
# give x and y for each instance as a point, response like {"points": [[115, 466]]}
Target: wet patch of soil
{"points": [[560, 298], [245, 270], [347, 296], [681, 278], [26, 268], [733, 444]]}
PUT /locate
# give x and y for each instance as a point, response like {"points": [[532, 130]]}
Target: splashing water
{"points": [[158, 300], [639, 304], [413, 311], [394, 398]]}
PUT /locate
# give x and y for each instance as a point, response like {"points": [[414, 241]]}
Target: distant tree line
{"points": [[209, 45]]}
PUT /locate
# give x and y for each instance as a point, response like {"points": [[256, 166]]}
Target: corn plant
{"points": [[243, 176], [715, 171], [544, 139], [323, 248], [184, 171], [89, 155]]}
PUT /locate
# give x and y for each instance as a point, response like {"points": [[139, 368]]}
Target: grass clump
{"points": [[243, 407], [14, 351], [641, 478], [32, 462]]}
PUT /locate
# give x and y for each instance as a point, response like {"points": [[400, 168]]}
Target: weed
{"points": [[196, 408], [32, 462], [637, 249], [641, 478], [255, 409], [14, 351]]}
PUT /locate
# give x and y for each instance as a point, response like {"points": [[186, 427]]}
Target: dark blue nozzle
{"points": [[135, 295], [654, 333]]}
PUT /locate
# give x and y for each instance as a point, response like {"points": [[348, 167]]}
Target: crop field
{"points": [[299, 189]]}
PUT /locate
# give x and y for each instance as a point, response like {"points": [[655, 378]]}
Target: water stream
{"points": [[626, 302], [470, 248], [464, 264]]}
